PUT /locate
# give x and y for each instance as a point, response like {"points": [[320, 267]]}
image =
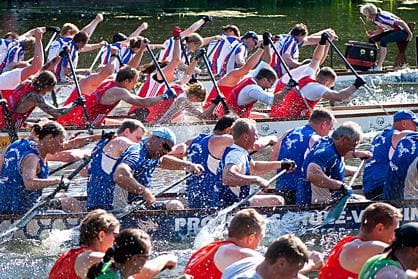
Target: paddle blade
{"points": [[335, 211]]}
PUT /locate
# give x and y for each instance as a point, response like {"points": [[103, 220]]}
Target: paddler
{"points": [[377, 232], [324, 168], [237, 170], [313, 86], [295, 144], [390, 29], [383, 147]]}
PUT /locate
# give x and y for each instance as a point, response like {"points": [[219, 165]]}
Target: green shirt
{"points": [[374, 264], [108, 272]]}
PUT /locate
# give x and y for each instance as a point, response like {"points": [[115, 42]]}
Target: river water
{"points": [[27, 259]]}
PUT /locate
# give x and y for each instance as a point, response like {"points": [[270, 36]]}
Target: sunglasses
{"points": [[165, 145]]}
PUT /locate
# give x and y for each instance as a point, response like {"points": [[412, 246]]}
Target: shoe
{"points": [[375, 69]]}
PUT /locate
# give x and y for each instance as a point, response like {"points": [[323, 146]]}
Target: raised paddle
{"points": [[80, 96], [286, 68], [160, 71], [43, 201], [66, 165], [55, 31], [212, 78], [97, 58], [131, 208], [11, 130], [364, 25], [368, 89]]}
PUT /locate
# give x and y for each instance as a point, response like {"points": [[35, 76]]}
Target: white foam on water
{"points": [[56, 240]]}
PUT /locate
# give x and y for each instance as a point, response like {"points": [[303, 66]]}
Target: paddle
{"points": [[55, 31], [218, 223], [77, 85], [66, 165], [97, 58], [43, 201], [368, 89], [212, 78], [160, 71], [131, 208], [11, 130], [286, 68], [335, 211], [364, 25]]}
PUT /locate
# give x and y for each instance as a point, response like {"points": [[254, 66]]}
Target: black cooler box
{"points": [[362, 56]]}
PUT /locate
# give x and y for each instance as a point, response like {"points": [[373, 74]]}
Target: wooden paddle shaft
{"points": [[160, 71]]}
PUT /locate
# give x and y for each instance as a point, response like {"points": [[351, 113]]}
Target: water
{"points": [[28, 259]]}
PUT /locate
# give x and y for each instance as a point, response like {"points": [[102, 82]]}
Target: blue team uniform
{"points": [[137, 158], [293, 146], [401, 179], [225, 196], [324, 154], [376, 168], [14, 198], [200, 188]]}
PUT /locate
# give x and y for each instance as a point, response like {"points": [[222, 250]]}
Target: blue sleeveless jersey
{"points": [[405, 154], [224, 195], [200, 189], [14, 198], [294, 146], [324, 154], [376, 168]]}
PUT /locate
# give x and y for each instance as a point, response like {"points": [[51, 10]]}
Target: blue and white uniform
{"points": [[402, 178], [14, 198], [325, 155], [219, 50], [376, 168], [57, 46], [166, 54], [15, 53], [61, 68], [125, 55], [101, 189], [200, 188], [294, 146], [386, 21], [285, 44], [226, 196], [238, 53]]}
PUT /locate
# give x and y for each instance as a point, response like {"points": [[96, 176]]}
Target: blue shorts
{"points": [[392, 36]]}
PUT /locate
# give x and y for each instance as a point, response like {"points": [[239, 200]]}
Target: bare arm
{"points": [[136, 60], [86, 260], [81, 141], [290, 62], [90, 47], [341, 95], [232, 177], [173, 163], [238, 73], [171, 67], [139, 30], [192, 28], [38, 56], [123, 94], [124, 178], [153, 267], [89, 28], [29, 168], [50, 109], [50, 65], [260, 167], [317, 177]]}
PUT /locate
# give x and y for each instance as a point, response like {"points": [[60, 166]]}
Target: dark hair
{"points": [[81, 37], [232, 28], [41, 130], [266, 73], [126, 73], [128, 243], [379, 213], [319, 115], [289, 247], [225, 121], [14, 35], [44, 80], [148, 69], [118, 37], [131, 124], [135, 42], [96, 221], [299, 29]]}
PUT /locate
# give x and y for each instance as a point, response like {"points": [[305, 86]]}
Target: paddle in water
{"points": [[216, 226], [44, 201]]}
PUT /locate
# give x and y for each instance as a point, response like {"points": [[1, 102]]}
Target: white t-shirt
{"points": [[11, 79], [237, 157], [254, 92], [243, 269]]}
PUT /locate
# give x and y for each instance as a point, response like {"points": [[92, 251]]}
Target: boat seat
{"points": [[401, 59]]}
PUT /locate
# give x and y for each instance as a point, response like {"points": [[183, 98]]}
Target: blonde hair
{"points": [[242, 126], [197, 90], [194, 38], [69, 28], [246, 222], [369, 9]]}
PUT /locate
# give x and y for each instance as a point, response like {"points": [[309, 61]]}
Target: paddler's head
{"points": [[81, 39], [135, 43], [244, 133], [405, 120], [346, 137], [231, 30], [250, 40], [69, 30], [193, 42], [50, 136], [127, 77], [161, 142], [322, 121], [196, 92], [132, 129], [44, 82], [265, 78], [224, 124], [299, 31], [326, 76], [369, 11]]}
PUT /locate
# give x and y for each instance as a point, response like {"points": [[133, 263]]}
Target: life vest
{"points": [[332, 268], [201, 264], [232, 101], [96, 111], [293, 104], [18, 118], [64, 266]]}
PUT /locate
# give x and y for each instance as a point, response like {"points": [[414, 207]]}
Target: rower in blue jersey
{"points": [[134, 169], [295, 144], [324, 168], [100, 171], [207, 150], [237, 170], [402, 178], [382, 147]]}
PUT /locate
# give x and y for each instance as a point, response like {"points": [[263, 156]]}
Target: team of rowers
{"points": [[381, 250]]}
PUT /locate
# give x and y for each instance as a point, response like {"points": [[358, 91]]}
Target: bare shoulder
{"points": [[390, 272]]}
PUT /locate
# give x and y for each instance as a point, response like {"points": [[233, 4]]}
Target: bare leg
{"points": [[382, 55], [174, 205]]}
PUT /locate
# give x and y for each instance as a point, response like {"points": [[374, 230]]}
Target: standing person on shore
{"points": [[390, 29], [377, 231]]}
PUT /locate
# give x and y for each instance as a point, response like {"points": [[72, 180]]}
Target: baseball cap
{"points": [[250, 34], [405, 236], [164, 133], [405, 115]]}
